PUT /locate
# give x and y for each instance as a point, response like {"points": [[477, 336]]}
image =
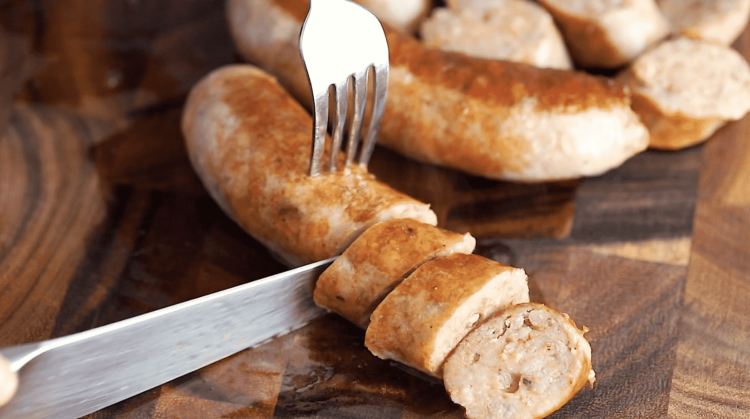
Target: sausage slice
{"points": [[524, 362], [424, 318], [378, 261]]}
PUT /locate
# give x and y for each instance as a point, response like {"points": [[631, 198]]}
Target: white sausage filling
{"points": [[524, 363]]}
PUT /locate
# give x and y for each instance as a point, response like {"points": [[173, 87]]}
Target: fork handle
{"points": [[8, 381]]}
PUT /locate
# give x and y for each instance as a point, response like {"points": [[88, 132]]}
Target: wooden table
{"points": [[102, 218]]}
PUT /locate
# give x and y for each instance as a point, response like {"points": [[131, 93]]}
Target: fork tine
{"points": [[360, 99], [333, 59], [320, 123], [381, 87], [339, 120]]}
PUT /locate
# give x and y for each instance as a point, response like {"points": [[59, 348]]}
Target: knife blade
{"points": [[75, 375]]}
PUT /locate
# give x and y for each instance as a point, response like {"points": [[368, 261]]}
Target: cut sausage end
{"points": [[720, 21], [524, 362], [685, 89], [378, 261], [423, 319], [513, 30]]}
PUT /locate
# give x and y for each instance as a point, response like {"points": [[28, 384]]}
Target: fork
{"points": [[340, 41]]}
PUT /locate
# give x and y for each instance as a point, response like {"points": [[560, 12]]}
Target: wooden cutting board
{"points": [[102, 219]]}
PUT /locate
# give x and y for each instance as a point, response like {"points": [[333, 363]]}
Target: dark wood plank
{"points": [[651, 196], [102, 218], [330, 373], [484, 207], [631, 306], [149, 154], [712, 372], [51, 203]]}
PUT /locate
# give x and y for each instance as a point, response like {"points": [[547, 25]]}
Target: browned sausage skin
{"points": [[250, 142], [421, 321], [491, 118], [378, 261]]}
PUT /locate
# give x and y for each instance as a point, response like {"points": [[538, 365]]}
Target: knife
{"points": [[75, 375]]}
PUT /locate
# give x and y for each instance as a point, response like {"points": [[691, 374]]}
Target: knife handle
{"points": [[8, 381]]}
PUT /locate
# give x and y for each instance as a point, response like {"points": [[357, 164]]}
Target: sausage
{"points": [[607, 34], [686, 89], [524, 362], [403, 15], [423, 319], [378, 261], [496, 119], [250, 142], [720, 21], [513, 30]]}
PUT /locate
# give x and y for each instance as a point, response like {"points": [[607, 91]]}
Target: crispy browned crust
{"points": [[450, 109], [404, 327], [375, 263], [473, 94], [250, 143], [503, 83]]}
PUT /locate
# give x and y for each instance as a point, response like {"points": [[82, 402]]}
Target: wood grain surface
{"points": [[102, 219]]}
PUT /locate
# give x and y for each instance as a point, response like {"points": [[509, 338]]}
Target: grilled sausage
{"points": [[250, 143], [609, 33], [378, 261], [490, 118], [423, 319], [686, 89]]}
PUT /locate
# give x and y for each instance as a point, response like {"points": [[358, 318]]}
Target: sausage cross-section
{"points": [[378, 261], [524, 362], [607, 33], [423, 319], [686, 89]]}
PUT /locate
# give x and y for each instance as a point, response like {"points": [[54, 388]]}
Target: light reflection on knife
{"points": [[79, 374]]}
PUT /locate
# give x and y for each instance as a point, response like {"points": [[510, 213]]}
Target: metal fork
{"points": [[339, 41]]}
